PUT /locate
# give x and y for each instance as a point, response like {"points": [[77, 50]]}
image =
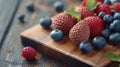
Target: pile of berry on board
{"points": [[96, 20]]}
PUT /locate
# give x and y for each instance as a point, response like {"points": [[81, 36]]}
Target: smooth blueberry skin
{"points": [[108, 19], [59, 6], [30, 7], [116, 16], [21, 17], [115, 38], [85, 47], [115, 26], [99, 42], [101, 14], [113, 11], [105, 33], [107, 2], [45, 22], [56, 35], [114, 1]]}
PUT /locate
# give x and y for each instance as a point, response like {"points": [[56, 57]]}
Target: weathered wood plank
{"points": [[65, 50], [11, 49], [8, 9]]}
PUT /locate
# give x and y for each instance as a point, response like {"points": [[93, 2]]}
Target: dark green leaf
{"points": [[91, 4], [113, 56], [73, 13]]}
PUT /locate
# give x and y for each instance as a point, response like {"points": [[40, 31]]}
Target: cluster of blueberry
{"points": [[112, 23], [110, 34]]}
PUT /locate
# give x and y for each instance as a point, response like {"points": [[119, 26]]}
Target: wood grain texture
{"points": [[8, 9], [10, 53], [65, 50]]}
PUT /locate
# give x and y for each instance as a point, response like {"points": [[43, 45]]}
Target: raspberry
{"points": [[28, 53], [63, 22], [100, 0], [96, 25], [103, 8], [84, 2], [84, 12], [116, 6], [80, 32]]}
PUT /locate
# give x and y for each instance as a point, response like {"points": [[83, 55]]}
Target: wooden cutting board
{"points": [[65, 50]]}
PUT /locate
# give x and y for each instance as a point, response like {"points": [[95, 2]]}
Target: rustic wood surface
{"points": [[65, 50], [10, 29], [8, 9]]}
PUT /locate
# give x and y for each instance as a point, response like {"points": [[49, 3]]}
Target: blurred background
{"points": [[19, 15]]}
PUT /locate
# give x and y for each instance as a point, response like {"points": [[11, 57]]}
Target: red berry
{"points": [[116, 6], [63, 22], [96, 25], [84, 12], [79, 32], [103, 8], [83, 3], [100, 0], [29, 53]]}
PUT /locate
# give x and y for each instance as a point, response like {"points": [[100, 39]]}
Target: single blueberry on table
{"points": [[45, 22], [105, 33], [115, 26], [115, 38], [107, 2], [101, 14], [21, 17], [59, 6], [99, 42], [30, 7], [116, 16], [108, 19], [113, 11], [56, 35], [85, 47], [114, 1]]}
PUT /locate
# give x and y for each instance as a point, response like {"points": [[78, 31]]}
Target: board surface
{"points": [[65, 50]]}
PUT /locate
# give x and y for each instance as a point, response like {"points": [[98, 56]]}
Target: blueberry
{"points": [[59, 6], [101, 14], [114, 1], [107, 19], [107, 2], [113, 12], [115, 26], [115, 38], [116, 16], [99, 42], [30, 7], [85, 47], [56, 35], [45, 22], [105, 33], [21, 17]]}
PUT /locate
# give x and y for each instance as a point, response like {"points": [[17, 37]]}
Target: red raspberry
{"points": [[79, 32], [84, 12], [29, 53], [103, 8], [96, 25], [84, 2], [100, 0], [63, 22], [116, 6]]}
